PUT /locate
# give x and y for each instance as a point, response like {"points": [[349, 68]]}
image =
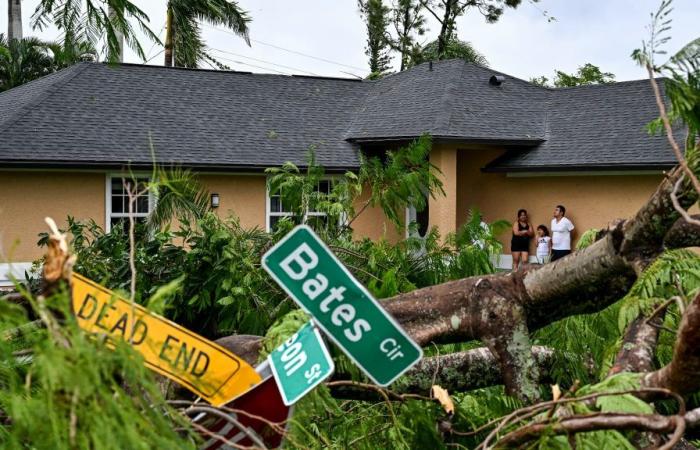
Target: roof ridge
{"points": [[521, 80], [598, 85], [446, 103], [77, 68], [226, 72]]}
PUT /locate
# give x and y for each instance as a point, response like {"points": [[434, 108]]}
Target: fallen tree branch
{"points": [[638, 346], [529, 412], [683, 234], [492, 308], [682, 374], [595, 422]]}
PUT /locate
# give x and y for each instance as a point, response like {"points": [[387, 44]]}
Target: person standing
{"points": [[544, 245], [520, 242], [561, 233]]}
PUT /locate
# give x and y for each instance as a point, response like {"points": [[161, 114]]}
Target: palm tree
{"points": [[14, 19], [184, 45], [95, 20], [179, 195], [23, 60]]}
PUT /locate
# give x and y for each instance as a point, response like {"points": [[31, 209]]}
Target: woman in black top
{"points": [[520, 243]]}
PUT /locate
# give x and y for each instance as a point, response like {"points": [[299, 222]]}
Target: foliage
{"points": [[179, 194], [682, 72], [303, 195], [409, 22], [71, 390], [186, 35], [585, 75], [376, 16], [23, 60], [402, 178], [446, 12], [90, 21], [454, 48], [587, 238]]}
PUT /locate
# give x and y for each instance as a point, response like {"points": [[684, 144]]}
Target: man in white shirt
{"points": [[561, 233]]}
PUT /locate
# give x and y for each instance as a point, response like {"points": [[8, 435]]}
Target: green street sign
{"points": [[300, 364], [311, 274]]}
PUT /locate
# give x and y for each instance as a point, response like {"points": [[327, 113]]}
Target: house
{"points": [[500, 142]]}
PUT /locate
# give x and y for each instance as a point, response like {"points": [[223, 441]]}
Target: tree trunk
{"points": [[169, 37], [119, 54], [14, 19], [442, 37]]}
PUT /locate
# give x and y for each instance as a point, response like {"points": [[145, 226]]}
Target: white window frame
{"points": [[109, 215], [268, 204]]}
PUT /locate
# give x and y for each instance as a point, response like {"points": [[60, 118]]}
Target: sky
{"points": [[327, 37]]}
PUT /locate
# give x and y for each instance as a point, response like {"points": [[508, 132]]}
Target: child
{"points": [[544, 244]]}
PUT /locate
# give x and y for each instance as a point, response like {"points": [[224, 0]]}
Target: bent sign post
{"points": [[311, 274], [300, 363], [198, 364]]}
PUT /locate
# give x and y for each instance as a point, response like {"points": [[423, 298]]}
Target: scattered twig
{"points": [[229, 418], [595, 422], [676, 204], [220, 438], [531, 411]]}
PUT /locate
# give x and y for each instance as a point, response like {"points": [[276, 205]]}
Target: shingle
{"points": [[108, 114], [100, 115], [597, 126], [451, 99]]}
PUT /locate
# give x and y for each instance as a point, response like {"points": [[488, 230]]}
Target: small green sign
{"points": [[300, 364], [311, 274]]}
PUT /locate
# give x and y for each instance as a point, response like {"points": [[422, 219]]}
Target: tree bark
{"points": [[169, 36], [682, 375], [638, 347], [492, 307], [14, 19]]}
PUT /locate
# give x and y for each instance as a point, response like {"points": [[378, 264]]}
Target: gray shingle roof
{"points": [[453, 100], [598, 126], [98, 115]]}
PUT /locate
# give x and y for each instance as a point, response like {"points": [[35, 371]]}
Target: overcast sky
{"points": [[287, 34]]}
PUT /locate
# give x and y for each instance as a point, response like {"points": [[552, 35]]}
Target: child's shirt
{"points": [[543, 245]]}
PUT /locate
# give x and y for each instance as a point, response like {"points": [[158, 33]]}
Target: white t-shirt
{"points": [[561, 234], [543, 245]]}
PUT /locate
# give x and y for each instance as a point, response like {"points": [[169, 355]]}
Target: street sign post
{"points": [[205, 368], [300, 363], [311, 274]]}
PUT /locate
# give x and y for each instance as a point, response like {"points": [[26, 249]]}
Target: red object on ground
{"points": [[263, 400]]}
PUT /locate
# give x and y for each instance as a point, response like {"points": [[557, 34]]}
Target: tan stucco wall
{"points": [[373, 224], [591, 201], [239, 195], [443, 210], [27, 197]]}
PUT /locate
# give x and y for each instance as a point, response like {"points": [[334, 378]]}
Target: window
{"points": [[417, 221], [277, 209], [118, 201]]}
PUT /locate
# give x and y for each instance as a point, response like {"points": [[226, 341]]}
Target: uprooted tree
{"points": [[636, 401]]}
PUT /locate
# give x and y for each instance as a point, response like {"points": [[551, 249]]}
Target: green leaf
{"points": [[225, 301]]}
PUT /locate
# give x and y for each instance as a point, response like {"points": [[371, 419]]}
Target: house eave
{"points": [[118, 166], [508, 142], [580, 168]]}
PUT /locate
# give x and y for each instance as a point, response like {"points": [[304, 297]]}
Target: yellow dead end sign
{"points": [[198, 364]]}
